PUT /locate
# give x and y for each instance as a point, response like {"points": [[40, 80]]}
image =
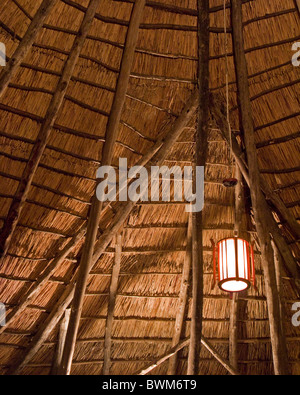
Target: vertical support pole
{"points": [[111, 304], [234, 308], [277, 338], [201, 154], [183, 296], [61, 342]]}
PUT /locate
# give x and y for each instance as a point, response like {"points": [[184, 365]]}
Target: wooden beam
{"points": [[201, 154], [111, 304], [234, 308], [183, 298], [298, 5], [163, 145], [44, 132], [61, 341], [279, 349], [26, 43], [96, 208]]}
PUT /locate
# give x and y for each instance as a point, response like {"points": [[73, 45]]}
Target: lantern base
{"points": [[234, 285]]}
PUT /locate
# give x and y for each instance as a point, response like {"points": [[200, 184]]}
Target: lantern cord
{"points": [[227, 82]]}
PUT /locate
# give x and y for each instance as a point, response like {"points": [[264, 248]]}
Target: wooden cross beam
{"points": [[20, 198], [26, 43], [278, 341]]}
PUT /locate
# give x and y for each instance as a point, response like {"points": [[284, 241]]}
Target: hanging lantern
{"points": [[235, 263]]}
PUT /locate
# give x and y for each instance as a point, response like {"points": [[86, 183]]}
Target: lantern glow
{"points": [[234, 264]]}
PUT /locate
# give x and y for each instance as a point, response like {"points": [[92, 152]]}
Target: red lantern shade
{"points": [[234, 264]]}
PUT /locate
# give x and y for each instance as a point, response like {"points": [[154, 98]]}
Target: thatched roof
{"points": [[154, 239]]}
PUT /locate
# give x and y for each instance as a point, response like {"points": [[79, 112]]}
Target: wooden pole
{"points": [[111, 305], [19, 200], [277, 338], [289, 261], [96, 208], [201, 154], [238, 226], [61, 341], [163, 145], [26, 43], [182, 300]]}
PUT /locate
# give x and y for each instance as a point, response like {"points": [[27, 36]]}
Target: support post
{"points": [[61, 341], [277, 338], [201, 153], [183, 297], [111, 304]]}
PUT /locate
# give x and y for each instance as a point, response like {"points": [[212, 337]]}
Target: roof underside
{"points": [[154, 237]]}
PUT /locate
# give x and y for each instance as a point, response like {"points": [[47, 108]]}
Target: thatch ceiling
{"points": [[163, 75]]}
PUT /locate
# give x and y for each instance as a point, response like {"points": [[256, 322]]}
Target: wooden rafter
{"points": [[111, 304], [61, 341], [26, 43], [183, 298], [200, 160], [277, 338], [96, 208], [156, 154], [44, 132]]}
